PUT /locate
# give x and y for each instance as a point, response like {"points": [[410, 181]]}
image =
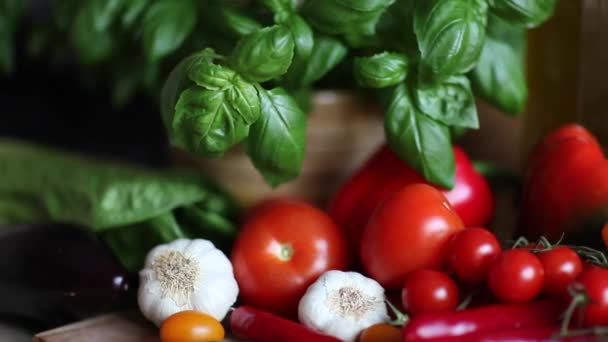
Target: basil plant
{"points": [[241, 72]]}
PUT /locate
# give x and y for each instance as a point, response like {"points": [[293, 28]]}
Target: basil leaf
{"points": [[105, 12], [92, 45], [381, 70], [229, 21], [265, 54], [419, 140], [210, 120], [166, 25], [499, 76], [450, 35], [281, 8], [276, 141], [525, 13], [10, 11], [327, 52], [395, 28], [304, 43], [451, 102], [345, 16], [133, 10]]}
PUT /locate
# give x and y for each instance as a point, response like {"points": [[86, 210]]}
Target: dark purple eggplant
{"points": [[55, 274]]}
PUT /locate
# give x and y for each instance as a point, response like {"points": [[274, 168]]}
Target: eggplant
{"points": [[55, 274]]}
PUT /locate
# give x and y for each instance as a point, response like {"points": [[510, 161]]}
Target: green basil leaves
{"points": [[345, 16], [422, 142], [166, 25], [450, 35], [525, 13], [381, 70], [276, 141], [499, 76], [450, 102], [265, 54]]}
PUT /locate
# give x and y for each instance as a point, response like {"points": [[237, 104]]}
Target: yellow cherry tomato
{"points": [[381, 332], [191, 326]]}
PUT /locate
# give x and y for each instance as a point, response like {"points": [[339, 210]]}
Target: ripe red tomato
{"points": [[281, 250], [516, 275], [595, 282], [410, 230], [429, 291], [471, 253], [562, 266]]}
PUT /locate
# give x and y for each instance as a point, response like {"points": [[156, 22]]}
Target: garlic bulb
{"points": [[342, 304], [186, 275]]}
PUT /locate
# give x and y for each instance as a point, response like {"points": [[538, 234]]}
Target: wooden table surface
{"points": [[115, 327]]}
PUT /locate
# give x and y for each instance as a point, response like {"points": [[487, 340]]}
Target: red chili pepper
{"points": [[565, 188], [256, 325], [456, 324], [542, 334], [384, 173]]}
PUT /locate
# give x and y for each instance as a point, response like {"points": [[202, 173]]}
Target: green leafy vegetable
{"points": [[345, 16], [418, 139], [105, 12], [93, 45], [166, 25], [131, 207], [10, 11], [281, 8], [265, 54], [499, 76], [450, 35], [450, 102], [381, 70], [230, 21], [525, 13], [277, 140], [133, 10]]}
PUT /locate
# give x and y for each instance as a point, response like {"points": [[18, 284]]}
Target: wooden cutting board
{"points": [[115, 327]]}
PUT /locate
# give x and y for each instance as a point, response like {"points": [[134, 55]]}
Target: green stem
{"points": [[400, 317], [578, 299]]}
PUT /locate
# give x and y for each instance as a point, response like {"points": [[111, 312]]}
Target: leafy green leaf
{"points": [[133, 10], [303, 37], [281, 8], [450, 35], [450, 102], [10, 12], [395, 28], [327, 52], [229, 21], [92, 45], [265, 54], [419, 140], [105, 11], [499, 77], [525, 13], [381, 70], [166, 25], [345, 16], [277, 140], [210, 120]]}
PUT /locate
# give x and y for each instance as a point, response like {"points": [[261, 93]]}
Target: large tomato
{"points": [[409, 231], [281, 250]]}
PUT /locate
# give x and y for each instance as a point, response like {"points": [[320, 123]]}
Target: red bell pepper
{"points": [[257, 325], [459, 325], [384, 173], [543, 334], [565, 189]]}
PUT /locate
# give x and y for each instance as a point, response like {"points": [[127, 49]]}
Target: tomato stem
{"points": [[285, 252], [400, 317], [579, 298]]}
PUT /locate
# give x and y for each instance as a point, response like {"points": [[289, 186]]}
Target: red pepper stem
{"points": [[400, 317]]}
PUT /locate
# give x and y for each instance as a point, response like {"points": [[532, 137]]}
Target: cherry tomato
{"points": [[562, 266], [191, 326], [516, 275], [381, 332], [410, 230], [428, 291], [471, 253], [595, 282], [281, 250]]}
